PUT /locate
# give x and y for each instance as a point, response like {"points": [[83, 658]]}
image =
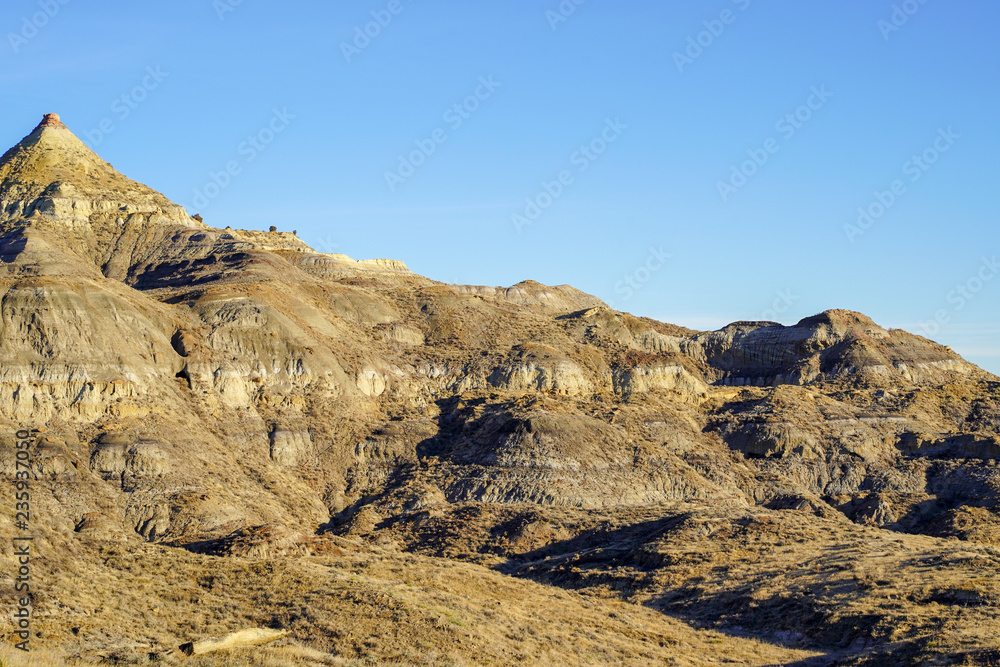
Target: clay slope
{"points": [[207, 400]]}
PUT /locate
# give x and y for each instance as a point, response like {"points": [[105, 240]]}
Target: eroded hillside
{"points": [[235, 430]]}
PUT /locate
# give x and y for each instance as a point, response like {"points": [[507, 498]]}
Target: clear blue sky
{"points": [[678, 127]]}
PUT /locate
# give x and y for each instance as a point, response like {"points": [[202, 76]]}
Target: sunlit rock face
{"points": [[238, 393]]}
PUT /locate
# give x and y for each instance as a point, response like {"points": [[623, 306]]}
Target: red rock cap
{"points": [[51, 120]]}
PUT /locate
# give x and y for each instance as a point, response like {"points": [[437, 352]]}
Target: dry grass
{"points": [[36, 657], [361, 608]]}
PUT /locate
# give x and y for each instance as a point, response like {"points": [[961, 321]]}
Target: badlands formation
{"points": [[232, 432]]}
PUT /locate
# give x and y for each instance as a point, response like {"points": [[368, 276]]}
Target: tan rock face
{"points": [[370, 382], [291, 447], [540, 368], [147, 459], [658, 376], [400, 333], [108, 457]]}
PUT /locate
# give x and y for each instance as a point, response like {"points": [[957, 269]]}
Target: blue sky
{"points": [[698, 163]]}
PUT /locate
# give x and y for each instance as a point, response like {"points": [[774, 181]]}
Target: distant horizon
{"points": [[693, 164]]}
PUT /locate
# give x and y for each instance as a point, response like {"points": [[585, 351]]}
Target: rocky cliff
{"points": [[200, 394]]}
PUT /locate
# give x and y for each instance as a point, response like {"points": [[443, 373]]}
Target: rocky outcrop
{"points": [[147, 458], [942, 446], [52, 120], [560, 299], [290, 447], [540, 368], [108, 456], [234, 640], [371, 383], [831, 345], [658, 376], [401, 333]]}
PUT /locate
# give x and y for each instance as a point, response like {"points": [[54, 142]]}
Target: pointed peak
{"points": [[51, 120], [52, 162], [52, 153]]}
